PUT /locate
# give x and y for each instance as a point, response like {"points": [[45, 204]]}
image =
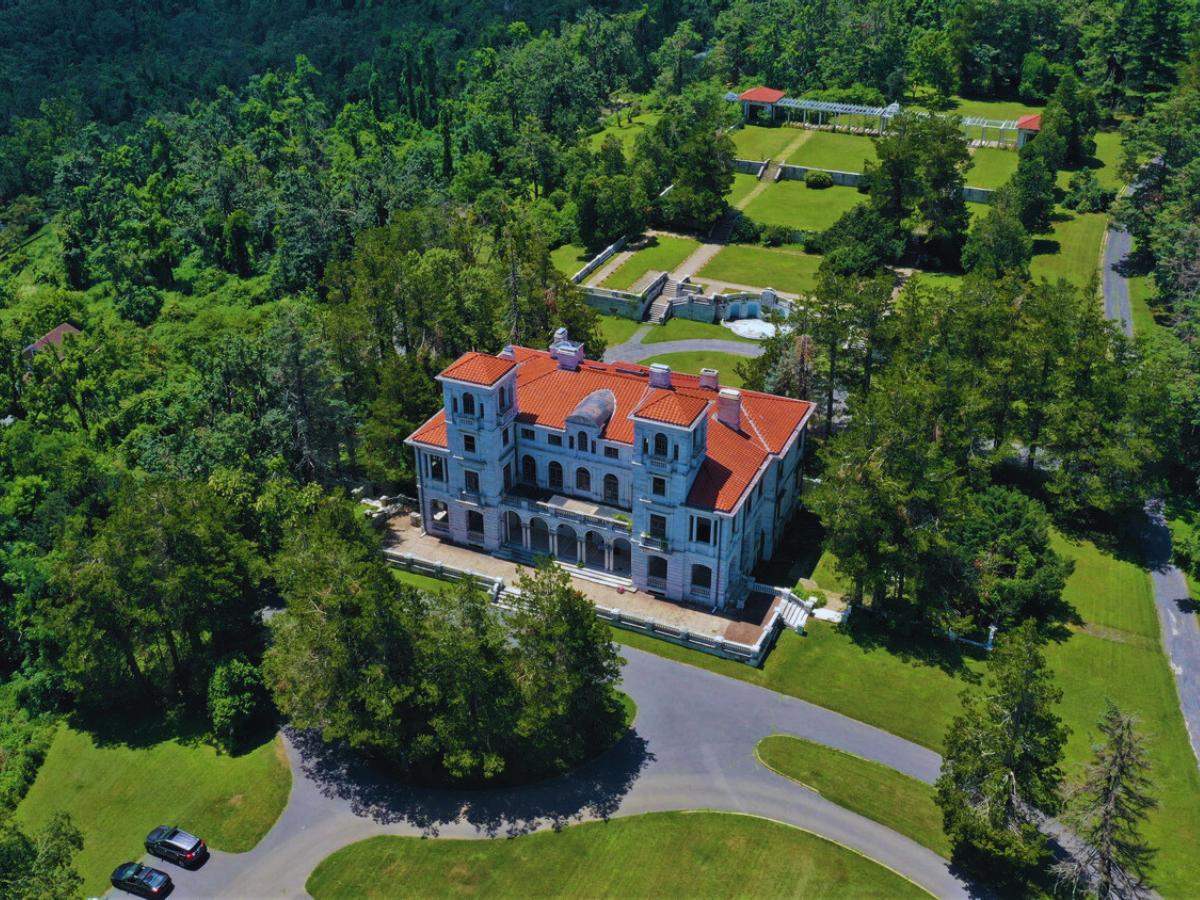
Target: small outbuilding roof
{"points": [[761, 95], [52, 338], [1032, 122]]}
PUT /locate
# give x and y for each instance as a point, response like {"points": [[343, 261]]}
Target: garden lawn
{"points": [[743, 184], [569, 258], [626, 133], [938, 280], [896, 801], [1107, 158], [840, 152], [663, 255], [686, 329], [419, 581], [992, 167], [1141, 289], [790, 271], [1072, 250], [758, 142], [987, 109], [116, 793], [676, 854], [696, 360], [795, 205], [617, 329]]}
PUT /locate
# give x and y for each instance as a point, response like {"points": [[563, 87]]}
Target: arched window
{"points": [[612, 489], [468, 404], [583, 479], [701, 576], [582, 442], [529, 469], [656, 567], [660, 445], [556, 475]]}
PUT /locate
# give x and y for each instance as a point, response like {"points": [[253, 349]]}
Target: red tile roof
{"points": [[1032, 122], [761, 95], [547, 394], [433, 432], [54, 337], [478, 368]]}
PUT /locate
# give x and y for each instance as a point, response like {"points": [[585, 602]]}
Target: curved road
{"points": [[633, 350], [692, 747]]}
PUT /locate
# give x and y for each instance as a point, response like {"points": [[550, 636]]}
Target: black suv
{"points": [[141, 880], [176, 845]]}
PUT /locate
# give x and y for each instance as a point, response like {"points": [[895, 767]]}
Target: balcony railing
{"points": [[657, 542], [662, 463], [656, 584], [474, 537], [558, 512], [469, 495]]}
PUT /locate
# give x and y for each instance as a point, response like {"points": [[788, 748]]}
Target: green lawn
{"points": [[569, 258], [937, 279], [796, 205], [868, 788], [422, 582], [676, 854], [1141, 289], [116, 793], [840, 152], [1108, 158], [743, 184], [988, 109], [694, 361], [1072, 249], [617, 329], [786, 270], [626, 133], [759, 142], [664, 253], [1180, 527], [686, 329], [992, 167]]}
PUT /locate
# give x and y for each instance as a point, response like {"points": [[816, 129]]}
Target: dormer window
{"points": [[468, 404]]}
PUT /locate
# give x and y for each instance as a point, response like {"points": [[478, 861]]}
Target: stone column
{"points": [[525, 535], [581, 550], [608, 556], [553, 533]]}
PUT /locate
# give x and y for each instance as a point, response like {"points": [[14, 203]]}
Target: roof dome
{"points": [[596, 408]]}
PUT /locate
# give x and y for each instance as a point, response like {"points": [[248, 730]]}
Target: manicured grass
{"points": [[827, 577], [695, 361], [686, 329], [676, 854], [419, 581], [988, 109], [569, 258], [1141, 289], [830, 150], [796, 205], [664, 254], [1108, 158], [1108, 592], [786, 270], [117, 792], [864, 786], [759, 142], [617, 330], [992, 167], [743, 184], [626, 133], [1071, 250], [938, 280]]}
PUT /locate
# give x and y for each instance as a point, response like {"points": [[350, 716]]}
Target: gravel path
{"points": [[633, 350], [691, 748]]}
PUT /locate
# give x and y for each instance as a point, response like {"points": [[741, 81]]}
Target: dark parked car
{"points": [[174, 844], [141, 880]]}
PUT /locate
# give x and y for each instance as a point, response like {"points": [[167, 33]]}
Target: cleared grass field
{"points": [[617, 330], [569, 258], [991, 167], [1072, 249], [760, 267], [987, 109], [829, 150], [864, 786], [694, 361], [1141, 289], [686, 329], [626, 132], [680, 854], [795, 205], [664, 254], [759, 142], [743, 184], [117, 792]]}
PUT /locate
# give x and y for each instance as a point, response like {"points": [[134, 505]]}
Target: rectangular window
{"points": [[658, 526], [469, 443], [504, 437], [527, 434], [703, 530], [507, 476], [471, 481], [612, 452], [555, 440], [437, 469], [658, 486]]}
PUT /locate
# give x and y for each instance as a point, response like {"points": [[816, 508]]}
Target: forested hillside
{"points": [[269, 225]]}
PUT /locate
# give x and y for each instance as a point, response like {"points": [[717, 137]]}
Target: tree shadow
{"points": [[140, 728], [912, 642], [594, 790], [1045, 247]]}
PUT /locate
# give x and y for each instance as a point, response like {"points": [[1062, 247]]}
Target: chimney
{"points": [[708, 379], [729, 408], [560, 335], [660, 375], [507, 352], [568, 353]]}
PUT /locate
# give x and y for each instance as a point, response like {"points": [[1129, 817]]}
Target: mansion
{"points": [[665, 481]]}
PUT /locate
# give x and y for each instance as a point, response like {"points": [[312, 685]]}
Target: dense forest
{"points": [[272, 224]]}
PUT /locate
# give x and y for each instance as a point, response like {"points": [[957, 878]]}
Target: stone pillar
{"points": [[581, 550], [608, 557], [525, 535], [553, 533]]}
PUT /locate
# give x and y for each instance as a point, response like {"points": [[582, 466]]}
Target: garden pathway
{"points": [[691, 747], [636, 352]]}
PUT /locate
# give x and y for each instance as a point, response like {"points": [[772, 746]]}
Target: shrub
{"points": [[235, 700], [817, 179], [1086, 194], [776, 235], [745, 231]]}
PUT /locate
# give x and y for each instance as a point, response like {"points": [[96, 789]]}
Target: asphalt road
{"points": [[692, 747], [1116, 287]]}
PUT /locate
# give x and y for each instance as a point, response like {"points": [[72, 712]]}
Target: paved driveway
{"points": [[691, 748]]}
